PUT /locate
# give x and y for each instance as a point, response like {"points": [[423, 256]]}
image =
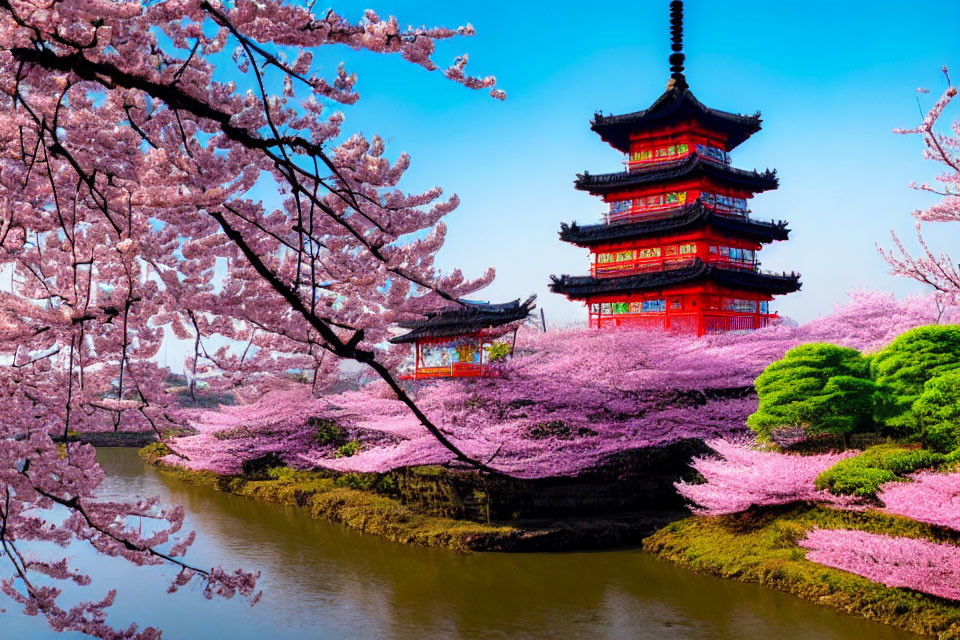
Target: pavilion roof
{"points": [[581, 287], [692, 166], [465, 318], [676, 104], [691, 215]]}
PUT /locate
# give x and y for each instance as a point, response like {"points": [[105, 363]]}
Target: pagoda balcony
{"points": [[453, 370], [646, 265], [708, 322], [653, 265], [671, 210], [640, 161]]}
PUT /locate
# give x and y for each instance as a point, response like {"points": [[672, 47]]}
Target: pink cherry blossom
{"points": [[929, 497], [744, 477], [909, 563]]}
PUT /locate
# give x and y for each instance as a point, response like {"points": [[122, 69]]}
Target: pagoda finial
{"points": [[677, 80]]}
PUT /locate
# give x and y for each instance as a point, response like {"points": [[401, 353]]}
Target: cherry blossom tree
{"points": [[131, 143], [939, 271]]}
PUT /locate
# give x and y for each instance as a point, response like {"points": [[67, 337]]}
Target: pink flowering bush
{"points": [[931, 497], [910, 563], [568, 400], [743, 477]]}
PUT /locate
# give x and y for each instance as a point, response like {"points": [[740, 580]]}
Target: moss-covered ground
{"points": [[761, 547]]}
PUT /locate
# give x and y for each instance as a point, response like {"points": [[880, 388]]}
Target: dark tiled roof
{"points": [[674, 105], [691, 215], [464, 319], [580, 287], [694, 165]]}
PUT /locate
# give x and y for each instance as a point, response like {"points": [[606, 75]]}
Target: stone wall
{"points": [[637, 480]]}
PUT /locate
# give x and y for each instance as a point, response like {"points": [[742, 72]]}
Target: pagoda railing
{"points": [[645, 265], [667, 211], [710, 322], [454, 370], [763, 272], [651, 265], [734, 265], [724, 322]]}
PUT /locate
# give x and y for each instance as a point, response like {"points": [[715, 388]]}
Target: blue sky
{"points": [[832, 79]]}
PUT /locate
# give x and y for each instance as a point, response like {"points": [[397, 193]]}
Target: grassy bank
{"points": [[365, 502], [761, 547]]}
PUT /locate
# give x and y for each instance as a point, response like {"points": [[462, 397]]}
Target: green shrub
{"points": [[820, 387], [498, 351], [902, 368], [862, 475], [328, 431], [937, 410], [349, 448]]}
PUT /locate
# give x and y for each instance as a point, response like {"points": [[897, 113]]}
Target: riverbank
{"points": [[369, 503], [761, 547]]}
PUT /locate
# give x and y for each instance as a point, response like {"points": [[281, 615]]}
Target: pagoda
{"points": [[678, 248], [451, 342]]}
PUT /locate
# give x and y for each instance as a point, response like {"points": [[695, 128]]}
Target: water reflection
{"points": [[322, 581]]}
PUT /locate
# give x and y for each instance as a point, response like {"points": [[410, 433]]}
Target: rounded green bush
{"points": [[937, 410], [820, 387], [905, 365]]}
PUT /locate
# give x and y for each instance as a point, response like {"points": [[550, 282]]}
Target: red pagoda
{"points": [[677, 249]]}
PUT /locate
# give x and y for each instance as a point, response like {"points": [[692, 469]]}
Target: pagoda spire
{"points": [[677, 80]]}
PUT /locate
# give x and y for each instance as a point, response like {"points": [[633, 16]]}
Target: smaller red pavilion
{"points": [[463, 340]]}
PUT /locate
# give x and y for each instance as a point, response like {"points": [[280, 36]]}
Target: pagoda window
{"points": [[688, 248], [714, 154], [621, 307], [662, 200], [606, 307], [742, 257], [620, 206], [676, 303], [739, 305], [764, 306], [604, 258], [653, 252], [653, 306], [644, 155], [725, 204], [624, 256], [659, 154], [670, 250]]}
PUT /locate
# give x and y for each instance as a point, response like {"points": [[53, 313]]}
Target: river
{"points": [[323, 581]]}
